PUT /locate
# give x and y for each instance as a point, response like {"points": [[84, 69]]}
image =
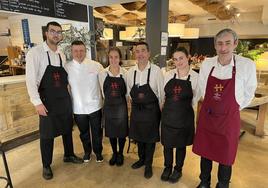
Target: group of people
{"points": [[82, 89]]}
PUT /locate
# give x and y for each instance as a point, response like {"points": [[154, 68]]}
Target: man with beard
{"points": [[47, 83]]}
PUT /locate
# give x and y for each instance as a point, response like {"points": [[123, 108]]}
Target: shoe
{"points": [[203, 185], [166, 173], [72, 159], [137, 164], [175, 176], [113, 159], [120, 159], [47, 173], [221, 185], [86, 158], [148, 173], [99, 158]]}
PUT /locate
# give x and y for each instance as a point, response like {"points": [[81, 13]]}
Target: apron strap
{"points": [[188, 79], [211, 71], [148, 77], [49, 62], [134, 83], [174, 77], [234, 67], [60, 61]]}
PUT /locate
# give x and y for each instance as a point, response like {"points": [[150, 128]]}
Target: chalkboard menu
{"points": [[52, 8]]}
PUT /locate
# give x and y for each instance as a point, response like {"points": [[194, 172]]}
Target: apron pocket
{"points": [[217, 123]]}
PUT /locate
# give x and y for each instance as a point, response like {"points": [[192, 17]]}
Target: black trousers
{"points": [[86, 123], [121, 143], [146, 152], [180, 156], [224, 173], [46, 146]]}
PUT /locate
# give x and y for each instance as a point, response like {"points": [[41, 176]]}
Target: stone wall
{"points": [[17, 114]]}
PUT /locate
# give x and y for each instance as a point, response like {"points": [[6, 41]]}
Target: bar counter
{"points": [[17, 114]]}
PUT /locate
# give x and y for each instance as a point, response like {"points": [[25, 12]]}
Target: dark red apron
{"points": [[177, 124], [55, 96], [115, 107], [145, 113], [218, 127]]}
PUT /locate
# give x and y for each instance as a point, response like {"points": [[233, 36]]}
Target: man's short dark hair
{"points": [[78, 42], [143, 43], [52, 23]]}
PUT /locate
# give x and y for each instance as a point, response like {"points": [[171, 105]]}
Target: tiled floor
{"points": [[250, 169]]}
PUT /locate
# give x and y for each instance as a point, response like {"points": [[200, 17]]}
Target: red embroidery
{"points": [[56, 78], [141, 95], [218, 90], [114, 87], [176, 91]]}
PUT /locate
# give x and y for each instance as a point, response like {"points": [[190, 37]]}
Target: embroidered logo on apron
{"points": [[114, 88], [218, 90], [56, 79], [176, 91]]}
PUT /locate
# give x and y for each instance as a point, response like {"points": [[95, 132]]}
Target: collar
{"points": [[136, 68], [47, 49], [231, 64], [109, 72]]}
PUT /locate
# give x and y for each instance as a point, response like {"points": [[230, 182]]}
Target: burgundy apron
{"points": [[54, 94], [177, 124], [218, 127], [115, 107], [145, 113]]}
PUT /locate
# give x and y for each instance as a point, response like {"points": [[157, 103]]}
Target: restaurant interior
{"points": [[191, 24]]}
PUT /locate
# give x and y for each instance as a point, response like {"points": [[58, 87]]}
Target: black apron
{"points": [[115, 107], [145, 114], [55, 96], [177, 124]]}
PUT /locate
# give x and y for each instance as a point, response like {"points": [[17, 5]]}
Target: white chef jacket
{"points": [[245, 79], [84, 85]]}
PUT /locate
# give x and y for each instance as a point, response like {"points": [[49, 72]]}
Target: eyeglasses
{"points": [[53, 32]]}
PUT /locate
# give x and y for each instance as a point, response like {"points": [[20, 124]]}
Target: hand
{"points": [[41, 110]]}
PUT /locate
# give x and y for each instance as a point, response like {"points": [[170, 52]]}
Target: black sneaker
{"points": [[148, 173], [120, 159], [72, 159], [86, 158], [99, 158], [47, 173], [175, 176], [137, 164], [166, 173], [113, 159]]}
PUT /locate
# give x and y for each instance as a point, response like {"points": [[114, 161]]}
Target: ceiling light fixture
{"points": [[175, 29]]}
